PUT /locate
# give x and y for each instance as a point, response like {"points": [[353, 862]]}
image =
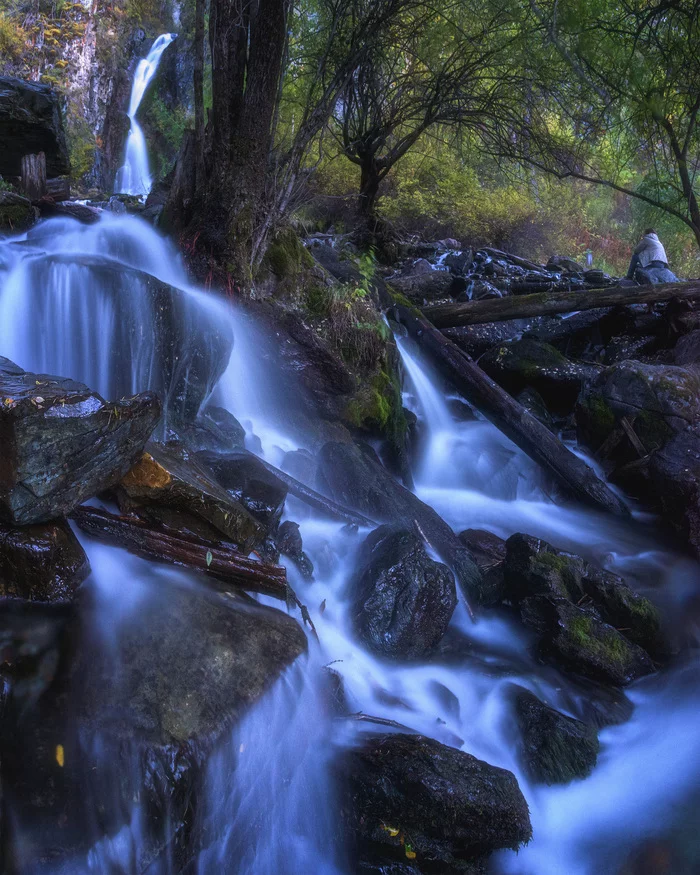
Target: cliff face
{"points": [[89, 52]]}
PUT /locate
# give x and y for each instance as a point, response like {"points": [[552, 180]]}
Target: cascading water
{"points": [[134, 177], [79, 301]]}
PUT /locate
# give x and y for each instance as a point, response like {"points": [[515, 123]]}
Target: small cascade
{"points": [[134, 177]]}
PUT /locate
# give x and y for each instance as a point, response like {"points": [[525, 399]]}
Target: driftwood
{"points": [[510, 417], [34, 176], [218, 560], [552, 303]]}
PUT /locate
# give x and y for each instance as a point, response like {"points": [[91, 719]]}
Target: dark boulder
{"points": [[353, 476], [42, 563], [168, 478], [217, 430], [31, 122], [402, 600], [489, 553], [534, 568], [289, 543], [63, 443], [687, 351], [529, 363], [179, 674], [563, 263], [413, 801], [16, 213], [675, 475], [576, 639], [554, 748], [660, 400]]}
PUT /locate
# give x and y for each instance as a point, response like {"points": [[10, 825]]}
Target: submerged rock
{"points": [[167, 477], [43, 562], [152, 702], [289, 543], [413, 801], [555, 749], [62, 443], [402, 600], [489, 553]]}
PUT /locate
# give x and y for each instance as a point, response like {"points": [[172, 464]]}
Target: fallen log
{"points": [[218, 560], [510, 417], [514, 259], [553, 303]]}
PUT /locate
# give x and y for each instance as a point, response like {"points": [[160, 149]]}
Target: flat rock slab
{"points": [[61, 443]]}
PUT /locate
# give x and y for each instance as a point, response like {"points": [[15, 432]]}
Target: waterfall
{"points": [[78, 301], [134, 177]]}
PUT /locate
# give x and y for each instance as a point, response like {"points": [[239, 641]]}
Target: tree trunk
{"points": [[34, 176], [551, 303], [198, 77], [369, 188], [510, 417]]}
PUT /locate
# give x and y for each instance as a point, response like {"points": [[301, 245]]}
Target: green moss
{"points": [[403, 301], [602, 418], [287, 256], [652, 429], [608, 646], [15, 217]]}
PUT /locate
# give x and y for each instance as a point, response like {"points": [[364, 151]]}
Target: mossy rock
{"points": [[554, 748], [16, 213], [660, 401], [576, 640]]}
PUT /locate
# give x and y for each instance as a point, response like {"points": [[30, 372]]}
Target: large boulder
{"points": [[42, 562], [554, 748], [63, 443], [675, 475], [353, 476], [413, 801], [31, 122], [173, 488], [402, 600], [136, 719], [422, 287], [577, 640], [660, 400], [534, 567], [529, 363]]}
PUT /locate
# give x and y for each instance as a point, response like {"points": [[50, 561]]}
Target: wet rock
{"points": [[31, 122], [489, 553], [563, 263], [576, 639], [215, 430], [425, 287], [82, 213], [16, 213], [167, 477], [289, 543], [177, 676], [353, 476], [620, 349], [243, 477], [402, 600], [658, 400], [43, 562], [420, 267], [409, 795], [63, 443], [555, 749], [533, 402], [675, 475], [687, 350], [534, 567], [459, 262], [529, 363]]}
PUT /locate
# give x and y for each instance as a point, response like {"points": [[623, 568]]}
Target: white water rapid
{"points": [[134, 176], [81, 301]]}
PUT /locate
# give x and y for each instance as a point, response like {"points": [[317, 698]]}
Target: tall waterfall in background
{"points": [[134, 177]]}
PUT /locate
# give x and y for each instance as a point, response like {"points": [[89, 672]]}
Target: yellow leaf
{"points": [[393, 832], [410, 854], [60, 755]]}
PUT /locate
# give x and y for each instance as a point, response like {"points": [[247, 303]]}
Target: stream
{"points": [[76, 300]]}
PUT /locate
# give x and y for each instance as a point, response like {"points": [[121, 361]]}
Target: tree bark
{"points": [[34, 176], [510, 417], [198, 77], [369, 188], [218, 560], [552, 303]]}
